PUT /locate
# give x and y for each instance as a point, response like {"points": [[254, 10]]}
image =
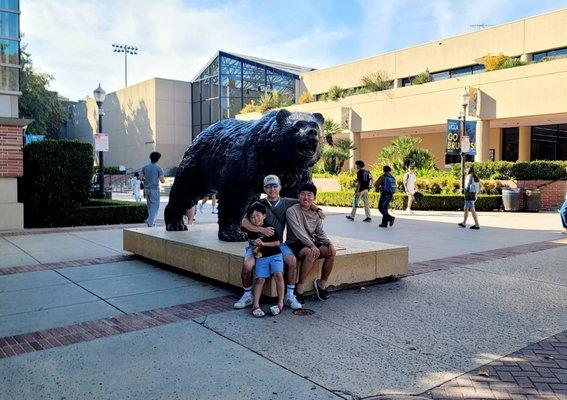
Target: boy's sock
{"points": [[248, 289], [290, 289]]}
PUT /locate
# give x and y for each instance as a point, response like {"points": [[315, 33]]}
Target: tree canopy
{"points": [[37, 101]]}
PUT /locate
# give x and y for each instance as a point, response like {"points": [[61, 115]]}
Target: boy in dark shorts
{"points": [[269, 260]]}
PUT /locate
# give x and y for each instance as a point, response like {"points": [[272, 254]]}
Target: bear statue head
{"points": [[297, 137]]}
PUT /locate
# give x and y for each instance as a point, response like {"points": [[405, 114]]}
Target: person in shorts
{"points": [[276, 207], [409, 187], [472, 189], [269, 260], [309, 242]]}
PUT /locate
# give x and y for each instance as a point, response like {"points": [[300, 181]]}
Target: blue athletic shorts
{"points": [[266, 266], [469, 203], [283, 247]]}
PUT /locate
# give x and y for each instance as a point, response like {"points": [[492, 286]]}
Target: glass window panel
{"points": [[205, 112], [230, 66], [461, 71], [9, 50], [538, 56], [215, 110], [438, 76], [196, 90], [9, 4], [406, 82], [205, 89], [9, 24], [562, 142], [214, 67], [477, 69], [544, 142], [196, 113], [230, 107], [558, 52], [231, 86], [9, 78], [510, 144]]}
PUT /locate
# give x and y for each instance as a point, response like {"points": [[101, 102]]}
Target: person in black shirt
{"points": [[269, 260], [363, 183]]}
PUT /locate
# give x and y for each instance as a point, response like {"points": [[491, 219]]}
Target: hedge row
{"points": [[517, 171], [438, 202], [95, 212]]}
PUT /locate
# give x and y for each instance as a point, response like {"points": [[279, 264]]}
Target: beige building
{"points": [[521, 112], [153, 115]]}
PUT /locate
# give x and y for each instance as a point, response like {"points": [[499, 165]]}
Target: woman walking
{"points": [[472, 188]]}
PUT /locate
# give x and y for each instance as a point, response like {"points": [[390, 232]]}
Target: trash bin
{"points": [[511, 199], [532, 200]]}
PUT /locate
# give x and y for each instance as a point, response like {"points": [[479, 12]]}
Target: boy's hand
{"points": [[269, 231], [259, 243]]}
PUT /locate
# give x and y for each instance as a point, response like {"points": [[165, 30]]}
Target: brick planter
{"points": [[552, 194]]}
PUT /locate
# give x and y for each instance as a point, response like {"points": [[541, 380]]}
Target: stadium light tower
{"points": [[126, 49]]}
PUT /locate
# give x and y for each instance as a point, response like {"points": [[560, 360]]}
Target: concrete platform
{"points": [[199, 251]]}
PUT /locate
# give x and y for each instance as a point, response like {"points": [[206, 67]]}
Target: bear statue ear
{"points": [[282, 115], [319, 118]]}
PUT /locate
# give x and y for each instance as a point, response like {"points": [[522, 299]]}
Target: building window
{"points": [[9, 25], [562, 52], [9, 52], [10, 5], [450, 73], [9, 78], [549, 142], [510, 144]]}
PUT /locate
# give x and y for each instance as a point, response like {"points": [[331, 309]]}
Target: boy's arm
{"points": [[271, 244], [246, 224]]}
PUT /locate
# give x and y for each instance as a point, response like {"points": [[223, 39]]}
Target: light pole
{"points": [[464, 103], [126, 49], [99, 96]]}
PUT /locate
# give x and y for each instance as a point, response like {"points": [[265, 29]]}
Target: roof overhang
{"points": [[21, 122]]}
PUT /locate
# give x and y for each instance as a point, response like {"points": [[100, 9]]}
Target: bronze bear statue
{"points": [[232, 157]]}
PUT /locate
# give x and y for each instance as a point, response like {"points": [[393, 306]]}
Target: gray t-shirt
{"points": [[280, 207], [151, 173]]}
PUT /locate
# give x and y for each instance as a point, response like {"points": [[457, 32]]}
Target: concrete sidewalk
{"points": [[91, 322]]}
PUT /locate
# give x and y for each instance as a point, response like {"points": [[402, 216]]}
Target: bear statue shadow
{"points": [[232, 158]]}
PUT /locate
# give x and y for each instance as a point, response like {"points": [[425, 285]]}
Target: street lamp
{"points": [[464, 104], [99, 96], [126, 49]]}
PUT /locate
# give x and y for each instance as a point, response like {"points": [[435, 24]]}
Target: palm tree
{"points": [[331, 128]]}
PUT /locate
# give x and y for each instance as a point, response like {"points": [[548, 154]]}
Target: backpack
{"points": [[367, 177], [389, 185]]}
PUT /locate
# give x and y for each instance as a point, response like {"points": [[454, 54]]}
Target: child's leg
{"points": [[280, 288], [258, 286]]}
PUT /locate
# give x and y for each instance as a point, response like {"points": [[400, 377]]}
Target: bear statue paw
{"points": [[177, 226], [233, 234]]}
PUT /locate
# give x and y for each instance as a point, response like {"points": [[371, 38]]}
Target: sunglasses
{"points": [[272, 186]]}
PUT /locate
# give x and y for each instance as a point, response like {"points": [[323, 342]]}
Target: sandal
{"points": [[258, 312], [275, 310]]}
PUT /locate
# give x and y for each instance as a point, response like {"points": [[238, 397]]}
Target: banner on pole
{"points": [[453, 137]]}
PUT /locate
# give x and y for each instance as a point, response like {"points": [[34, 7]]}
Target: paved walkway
{"points": [[482, 315]]}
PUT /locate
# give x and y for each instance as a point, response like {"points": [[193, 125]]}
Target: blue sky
{"points": [[71, 39]]}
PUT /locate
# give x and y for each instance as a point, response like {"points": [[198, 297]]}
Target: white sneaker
{"points": [[409, 211], [246, 300], [292, 302]]}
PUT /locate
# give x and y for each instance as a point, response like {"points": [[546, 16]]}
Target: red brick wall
{"points": [[552, 195], [11, 156]]}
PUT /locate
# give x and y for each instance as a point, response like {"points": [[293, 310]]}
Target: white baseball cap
{"points": [[271, 180]]}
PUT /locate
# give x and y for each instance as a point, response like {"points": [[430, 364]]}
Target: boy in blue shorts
{"points": [[269, 260]]}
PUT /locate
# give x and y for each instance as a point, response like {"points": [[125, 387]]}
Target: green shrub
{"points": [[421, 78], [440, 202], [335, 92], [551, 58], [347, 180], [517, 171], [377, 81], [96, 212], [109, 170], [57, 178], [511, 63]]}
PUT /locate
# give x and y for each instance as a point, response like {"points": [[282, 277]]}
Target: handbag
{"points": [[470, 196]]}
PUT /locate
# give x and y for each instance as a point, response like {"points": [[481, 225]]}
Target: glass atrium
{"points": [[229, 81]]}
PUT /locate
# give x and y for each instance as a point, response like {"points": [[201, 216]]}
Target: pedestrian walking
{"points": [[137, 187], [409, 187], [363, 183], [386, 184], [152, 175], [472, 188]]}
